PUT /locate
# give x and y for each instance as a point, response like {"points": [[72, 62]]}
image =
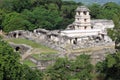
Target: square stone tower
{"points": [[82, 19]]}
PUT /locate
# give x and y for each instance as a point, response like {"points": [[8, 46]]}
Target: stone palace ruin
{"points": [[82, 33]]}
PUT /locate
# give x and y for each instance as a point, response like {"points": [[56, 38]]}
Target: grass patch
{"points": [[33, 44], [28, 42], [36, 56], [29, 63], [44, 56]]}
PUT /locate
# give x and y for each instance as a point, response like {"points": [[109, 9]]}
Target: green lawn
{"points": [[32, 44], [37, 50], [29, 63], [43, 56]]}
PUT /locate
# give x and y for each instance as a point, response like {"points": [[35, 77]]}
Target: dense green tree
{"points": [[31, 14], [52, 7], [38, 2], [106, 11], [10, 67], [70, 3], [15, 21], [82, 68], [31, 74], [59, 70], [59, 4], [65, 69], [2, 15], [110, 67], [95, 10], [6, 5], [51, 21], [20, 5], [68, 12], [111, 6]]}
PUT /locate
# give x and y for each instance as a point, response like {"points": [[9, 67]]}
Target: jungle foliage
{"points": [[55, 14]]}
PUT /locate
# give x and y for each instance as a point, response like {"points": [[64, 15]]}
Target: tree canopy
{"points": [[65, 69], [11, 68], [62, 69], [55, 14], [110, 67], [28, 15]]}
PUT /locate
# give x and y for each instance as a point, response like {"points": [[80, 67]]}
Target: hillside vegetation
{"points": [[34, 45], [55, 14]]}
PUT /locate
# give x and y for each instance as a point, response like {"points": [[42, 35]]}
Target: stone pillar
{"points": [[17, 35]]}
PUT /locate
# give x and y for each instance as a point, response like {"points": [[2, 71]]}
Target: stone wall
{"points": [[54, 40], [98, 49], [96, 56], [44, 60], [22, 48]]}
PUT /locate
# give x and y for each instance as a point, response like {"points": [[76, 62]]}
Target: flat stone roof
{"points": [[80, 33], [82, 8], [104, 22]]}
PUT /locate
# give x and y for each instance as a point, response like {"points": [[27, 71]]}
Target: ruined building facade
{"points": [[82, 33], [85, 28]]}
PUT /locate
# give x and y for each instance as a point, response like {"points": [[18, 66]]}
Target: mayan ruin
{"points": [[59, 40], [82, 33]]}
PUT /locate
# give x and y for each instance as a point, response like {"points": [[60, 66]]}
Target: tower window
{"points": [[85, 13], [79, 13], [91, 27], [85, 20], [85, 27]]}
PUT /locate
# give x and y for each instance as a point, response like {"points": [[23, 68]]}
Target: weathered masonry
{"points": [[82, 33]]}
